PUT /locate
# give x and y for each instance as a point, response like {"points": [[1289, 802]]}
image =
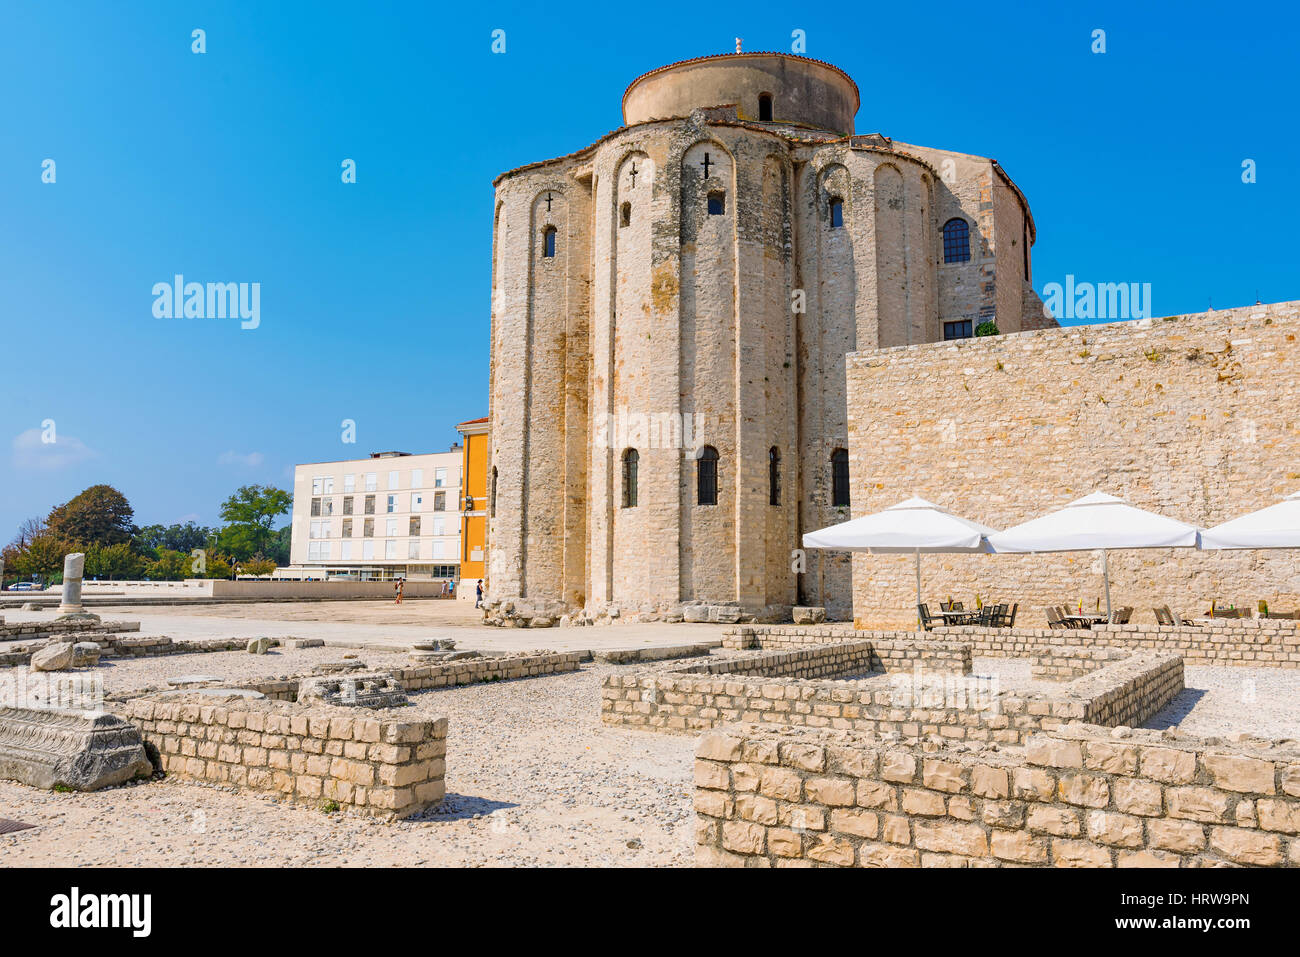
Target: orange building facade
{"points": [[474, 507]]}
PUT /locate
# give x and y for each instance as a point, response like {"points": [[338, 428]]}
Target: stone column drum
{"points": [[70, 606]]}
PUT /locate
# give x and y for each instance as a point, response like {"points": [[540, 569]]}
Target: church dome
{"points": [[780, 88]]}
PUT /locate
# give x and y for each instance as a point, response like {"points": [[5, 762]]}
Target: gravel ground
{"points": [[1264, 702], [533, 779]]}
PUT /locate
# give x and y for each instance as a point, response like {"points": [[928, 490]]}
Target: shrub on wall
{"points": [[987, 328]]}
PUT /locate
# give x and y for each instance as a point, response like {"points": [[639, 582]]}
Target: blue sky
{"points": [[225, 166]]}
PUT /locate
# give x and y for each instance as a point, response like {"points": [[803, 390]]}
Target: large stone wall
{"points": [[1078, 796], [377, 765], [1196, 417]]}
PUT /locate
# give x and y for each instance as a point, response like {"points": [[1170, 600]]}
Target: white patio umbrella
{"points": [[912, 526], [1277, 526], [1096, 522]]}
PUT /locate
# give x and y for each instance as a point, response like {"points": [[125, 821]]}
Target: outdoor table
{"points": [[1085, 621], [957, 617]]}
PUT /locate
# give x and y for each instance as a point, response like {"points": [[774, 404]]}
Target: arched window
{"points": [[840, 477], [706, 466], [837, 211], [773, 476], [717, 204], [548, 242], [765, 107], [625, 215], [631, 458], [956, 241], [493, 509]]}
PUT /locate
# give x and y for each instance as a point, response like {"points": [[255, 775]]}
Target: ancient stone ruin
{"points": [[82, 750]]}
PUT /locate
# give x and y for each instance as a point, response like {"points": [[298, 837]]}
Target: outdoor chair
{"points": [[1011, 620], [1163, 615], [945, 606], [1054, 617], [958, 606], [927, 622], [999, 617], [1123, 616]]}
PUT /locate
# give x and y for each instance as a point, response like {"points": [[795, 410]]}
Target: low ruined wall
{"points": [[368, 763], [124, 647], [445, 675], [65, 630], [777, 637], [1063, 663], [1074, 797], [1270, 643], [924, 696]]}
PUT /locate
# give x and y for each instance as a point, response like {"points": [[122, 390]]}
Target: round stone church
{"points": [[671, 309]]}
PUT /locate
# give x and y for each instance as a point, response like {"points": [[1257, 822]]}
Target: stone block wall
{"points": [[365, 762], [1075, 797], [64, 630], [1190, 416], [1054, 663], [943, 700]]}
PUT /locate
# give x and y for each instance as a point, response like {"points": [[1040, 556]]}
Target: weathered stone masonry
{"points": [[653, 310], [1196, 417], [1077, 796]]}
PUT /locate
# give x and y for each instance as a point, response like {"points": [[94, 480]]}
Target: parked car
{"points": [[23, 586]]}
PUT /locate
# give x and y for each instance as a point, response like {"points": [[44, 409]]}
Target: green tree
{"points": [[43, 556], [279, 551], [179, 538], [113, 561], [258, 566], [100, 515], [170, 565], [249, 515]]}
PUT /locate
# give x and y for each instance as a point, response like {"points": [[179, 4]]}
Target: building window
{"points": [[417, 478], [316, 484], [370, 505], [625, 215], [392, 504], [347, 528], [956, 241], [440, 501], [367, 550], [390, 549], [837, 212], [631, 458], [414, 525], [391, 528], [393, 481], [372, 481], [413, 549], [706, 473], [493, 509], [368, 529], [961, 329], [439, 550], [417, 501], [439, 478], [717, 204], [347, 504], [548, 242], [840, 478], [327, 506], [349, 483], [765, 107], [773, 476], [315, 506], [439, 525], [345, 551]]}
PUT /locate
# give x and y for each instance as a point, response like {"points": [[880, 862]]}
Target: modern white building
{"points": [[392, 515]]}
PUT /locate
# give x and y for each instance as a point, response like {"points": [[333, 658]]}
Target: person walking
{"points": [[478, 594], [398, 588]]}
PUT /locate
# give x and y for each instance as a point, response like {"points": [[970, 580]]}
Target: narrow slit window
{"points": [[631, 459], [548, 242], [773, 476], [840, 478], [625, 215], [717, 204], [837, 212], [707, 476]]}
